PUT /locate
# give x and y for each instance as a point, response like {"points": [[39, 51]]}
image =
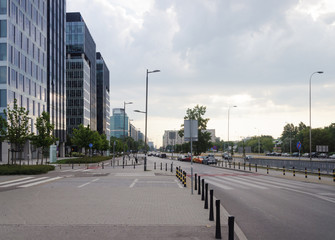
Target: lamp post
{"points": [[310, 114], [228, 127], [146, 116], [124, 127]]}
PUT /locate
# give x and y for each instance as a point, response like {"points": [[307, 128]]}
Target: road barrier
{"points": [[203, 187], [231, 220], [211, 203], [218, 222], [206, 196]]}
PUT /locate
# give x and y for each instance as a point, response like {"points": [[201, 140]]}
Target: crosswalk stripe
{"points": [[28, 181], [40, 182], [260, 183], [273, 182], [220, 185], [242, 182], [16, 180]]}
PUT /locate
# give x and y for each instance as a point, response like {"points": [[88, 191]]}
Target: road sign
{"points": [[90, 145], [191, 130], [299, 145]]}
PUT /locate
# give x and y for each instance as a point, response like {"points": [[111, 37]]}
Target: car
{"points": [[209, 159], [247, 157], [305, 155], [295, 154], [332, 156], [226, 156], [286, 155], [162, 155], [198, 159], [323, 155], [185, 158]]}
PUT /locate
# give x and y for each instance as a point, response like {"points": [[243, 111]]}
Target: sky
{"points": [[256, 55]]}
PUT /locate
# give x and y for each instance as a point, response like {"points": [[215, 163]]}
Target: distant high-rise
{"points": [[81, 74], [103, 112], [119, 121], [56, 67]]}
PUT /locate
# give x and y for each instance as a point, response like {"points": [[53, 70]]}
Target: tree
{"points": [[45, 137], [203, 143], [17, 127], [82, 137]]}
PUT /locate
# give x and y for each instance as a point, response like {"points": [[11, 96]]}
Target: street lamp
{"points": [[124, 128], [228, 127], [146, 116], [310, 114]]}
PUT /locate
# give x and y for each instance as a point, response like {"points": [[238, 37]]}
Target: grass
{"points": [[95, 159], [15, 169]]}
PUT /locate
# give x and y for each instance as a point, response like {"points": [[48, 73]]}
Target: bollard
{"points": [[195, 181], [243, 166], [319, 173], [234, 164], [333, 175], [267, 169], [218, 224], [165, 167], [225, 164], [134, 165], [231, 227], [206, 196], [199, 191], [283, 170], [118, 163], [250, 167], [293, 172], [229, 164], [203, 189], [154, 165], [185, 179], [60, 166], [177, 172], [123, 164], [305, 172], [239, 165], [72, 165], [161, 166], [211, 203], [102, 165], [256, 167], [172, 167]]}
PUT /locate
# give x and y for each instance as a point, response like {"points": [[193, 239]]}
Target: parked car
{"points": [[226, 156], [209, 159], [332, 156], [305, 155], [162, 155], [286, 155], [323, 155], [185, 158], [247, 157], [198, 159], [295, 154]]}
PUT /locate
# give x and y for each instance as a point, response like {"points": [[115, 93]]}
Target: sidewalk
{"points": [[118, 203]]}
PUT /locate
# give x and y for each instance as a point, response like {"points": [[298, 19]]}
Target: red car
{"points": [[185, 158]]}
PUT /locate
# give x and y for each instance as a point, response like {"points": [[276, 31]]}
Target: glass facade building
{"points": [[103, 112], [119, 120], [81, 46], [56, 68], [23, 57]]}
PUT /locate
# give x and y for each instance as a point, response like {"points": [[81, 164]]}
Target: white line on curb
{"points": [[133, 184]]}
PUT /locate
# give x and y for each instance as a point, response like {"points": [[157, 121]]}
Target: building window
{"points": [[3, 74], [3, 6], [3, 98], [3, 51], [3, 28]]}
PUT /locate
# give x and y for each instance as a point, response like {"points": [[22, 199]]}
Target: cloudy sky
{"points": [[256, 54]]}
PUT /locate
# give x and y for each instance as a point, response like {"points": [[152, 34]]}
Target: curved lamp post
{"points": [[146, 116], [310, 114], [228, 126]]}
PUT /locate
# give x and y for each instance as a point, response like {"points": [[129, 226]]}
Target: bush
{"points": [[95, 159], [25, 169], [77, 154]]}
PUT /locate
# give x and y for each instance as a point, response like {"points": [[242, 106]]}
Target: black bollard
{"points": [[165, 167], [171, 167], [154, 165], [218, 222], [195, 183], [267, 169], [305, 172], [239, 165], [199, 185], [211, 203], [319, 173], [206, 196], [256, 167], [231, 227], [72, 165], [134, 165], [161, 165], [103, 167], [243, 166], [203, 189], [283, 170], [293, 172]]}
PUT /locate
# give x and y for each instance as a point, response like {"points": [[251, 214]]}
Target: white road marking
{"points": [[220, 185], [133, 183], [180, 186], [83, 185], [16, 180], [28, 181], [40, 182], [244, 183]]}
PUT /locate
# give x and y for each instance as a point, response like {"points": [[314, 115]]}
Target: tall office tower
{"points": [[56, 67], [103, 112], [81, 104], [23, 59], [119, 123]]}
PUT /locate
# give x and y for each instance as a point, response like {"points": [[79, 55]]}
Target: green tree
{"points": [[82, 137], [45, 136], [203, 143], [17, 126]]}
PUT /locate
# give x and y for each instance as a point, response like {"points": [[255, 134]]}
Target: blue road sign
{"points": [[299, 145], [90, 145]]}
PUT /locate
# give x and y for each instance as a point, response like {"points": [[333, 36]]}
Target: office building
{"points": [[172, 138], [81, 104], [103, 113], [119, 122]]}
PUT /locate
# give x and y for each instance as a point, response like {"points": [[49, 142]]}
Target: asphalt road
{"points": [[267, 207]]}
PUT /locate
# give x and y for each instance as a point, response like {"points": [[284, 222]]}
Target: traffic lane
{"points": [[278, 213]]}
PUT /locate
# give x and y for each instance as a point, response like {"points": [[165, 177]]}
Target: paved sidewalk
{"points": [[121, 204]]}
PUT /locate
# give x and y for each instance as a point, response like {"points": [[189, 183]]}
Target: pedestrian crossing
{"points": [[77, 170], [27, 182]]}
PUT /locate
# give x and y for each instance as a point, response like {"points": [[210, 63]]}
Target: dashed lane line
{"points": [[40, 182], [83, 185]]}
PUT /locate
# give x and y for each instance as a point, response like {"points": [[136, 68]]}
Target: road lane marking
{"points": [[83, 185], [16, 180], [312, 194], [40, 182], [133, 183], [28, 181], [260, 183], [180, 186]]}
